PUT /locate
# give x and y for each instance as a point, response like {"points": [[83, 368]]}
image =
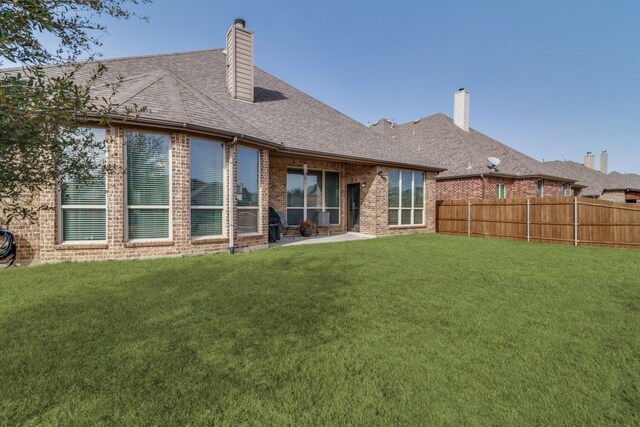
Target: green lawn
{"points": [[401, 330]]}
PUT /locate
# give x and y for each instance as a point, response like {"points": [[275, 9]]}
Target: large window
{"points": [[500, 191], [318, 191], [148, 185], [207, 187], [406, 197], [248, 191], [83, 204]]}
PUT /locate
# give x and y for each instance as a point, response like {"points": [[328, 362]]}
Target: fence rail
{"points": [[568, 220]]}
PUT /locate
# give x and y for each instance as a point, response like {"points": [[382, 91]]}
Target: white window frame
{"points": [[324, 206], [540, 188], [245, 208], [224, 192], [413, 200], [504, 190], [61, 207], [128, 207]]}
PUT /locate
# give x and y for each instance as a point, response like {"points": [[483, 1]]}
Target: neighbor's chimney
{"points": [[604, 162], [590, 160], [461, 109], [240, 61]]}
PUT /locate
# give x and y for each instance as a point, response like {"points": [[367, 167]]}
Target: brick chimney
{"points": [[461, 109], [604, 162], [590, 160], [240, 61]]}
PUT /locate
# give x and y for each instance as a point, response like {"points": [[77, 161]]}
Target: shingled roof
{"points": [[464, 153], [626, 180], [189, 90], [593, 181]]}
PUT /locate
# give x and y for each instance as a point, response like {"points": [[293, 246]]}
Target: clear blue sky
{"points": [[552, 78]]}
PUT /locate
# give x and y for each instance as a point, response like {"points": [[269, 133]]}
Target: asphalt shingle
{"points": [[191, 88], [463, 153]]}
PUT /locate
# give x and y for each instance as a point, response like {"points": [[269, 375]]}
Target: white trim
{"points": [[540, 188], [224, 191], [128, 207], [61, 207], [324, 207], [413, 207], [259, 206]]}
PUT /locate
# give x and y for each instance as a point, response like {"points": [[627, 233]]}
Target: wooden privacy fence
{"points": [[569, 220]]}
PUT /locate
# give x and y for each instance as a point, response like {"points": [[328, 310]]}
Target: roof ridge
{"points": [[154, 77], [201, 94], [117, 58]]}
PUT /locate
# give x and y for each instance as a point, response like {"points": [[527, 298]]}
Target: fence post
{"points": [[575, 221], [528, 220], [469, 218]]}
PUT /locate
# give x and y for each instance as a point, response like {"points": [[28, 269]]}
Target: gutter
{"points": [[204, 130], [356, 159], [506, 175]]}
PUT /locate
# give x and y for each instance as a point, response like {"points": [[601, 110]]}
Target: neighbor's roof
{"points": [[189, 90], [594, 181], [464, 153], [626, 180]]}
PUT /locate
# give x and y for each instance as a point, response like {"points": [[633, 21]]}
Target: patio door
{"points": [[353, 207]]}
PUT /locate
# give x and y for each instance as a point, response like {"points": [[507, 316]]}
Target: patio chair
{"points": [[323, 219], [286, 225]]}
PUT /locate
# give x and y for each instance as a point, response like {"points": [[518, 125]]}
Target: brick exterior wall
{"points": [[373, 193], [478, 188], [40, 242], [613, 196]]}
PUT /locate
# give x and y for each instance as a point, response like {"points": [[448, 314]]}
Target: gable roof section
{"points": [[626, 180], [593, 181], [464, 153], [189, 90]]}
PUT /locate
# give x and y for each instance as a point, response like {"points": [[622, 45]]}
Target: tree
{"points": [[45, 103]]}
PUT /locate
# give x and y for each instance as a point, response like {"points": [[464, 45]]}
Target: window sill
{"points": [[240, 236], [148, 243], [406, 226], [73, 246], [209, 240]]}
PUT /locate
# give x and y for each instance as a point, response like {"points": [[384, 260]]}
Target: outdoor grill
{"points": [[274, 225]]}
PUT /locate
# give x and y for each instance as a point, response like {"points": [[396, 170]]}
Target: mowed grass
{"points": [[408, 330]]}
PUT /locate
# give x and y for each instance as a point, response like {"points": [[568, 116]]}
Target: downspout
{"points": [[483, 184], [232, 195]]}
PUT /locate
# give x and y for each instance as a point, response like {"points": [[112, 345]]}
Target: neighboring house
{"points": [[465, 153], [221, 143], [615, 187]]}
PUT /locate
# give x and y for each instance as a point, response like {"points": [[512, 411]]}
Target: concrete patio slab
{"points": [[299, 240]]}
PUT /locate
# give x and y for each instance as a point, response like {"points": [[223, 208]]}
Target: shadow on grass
{"points": [[183, 340]]}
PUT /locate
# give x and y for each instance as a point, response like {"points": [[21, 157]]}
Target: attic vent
{"points": [[240, 61]]}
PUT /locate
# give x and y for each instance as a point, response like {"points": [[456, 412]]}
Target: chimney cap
{"points": [[239, 21], [461, 89]]}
